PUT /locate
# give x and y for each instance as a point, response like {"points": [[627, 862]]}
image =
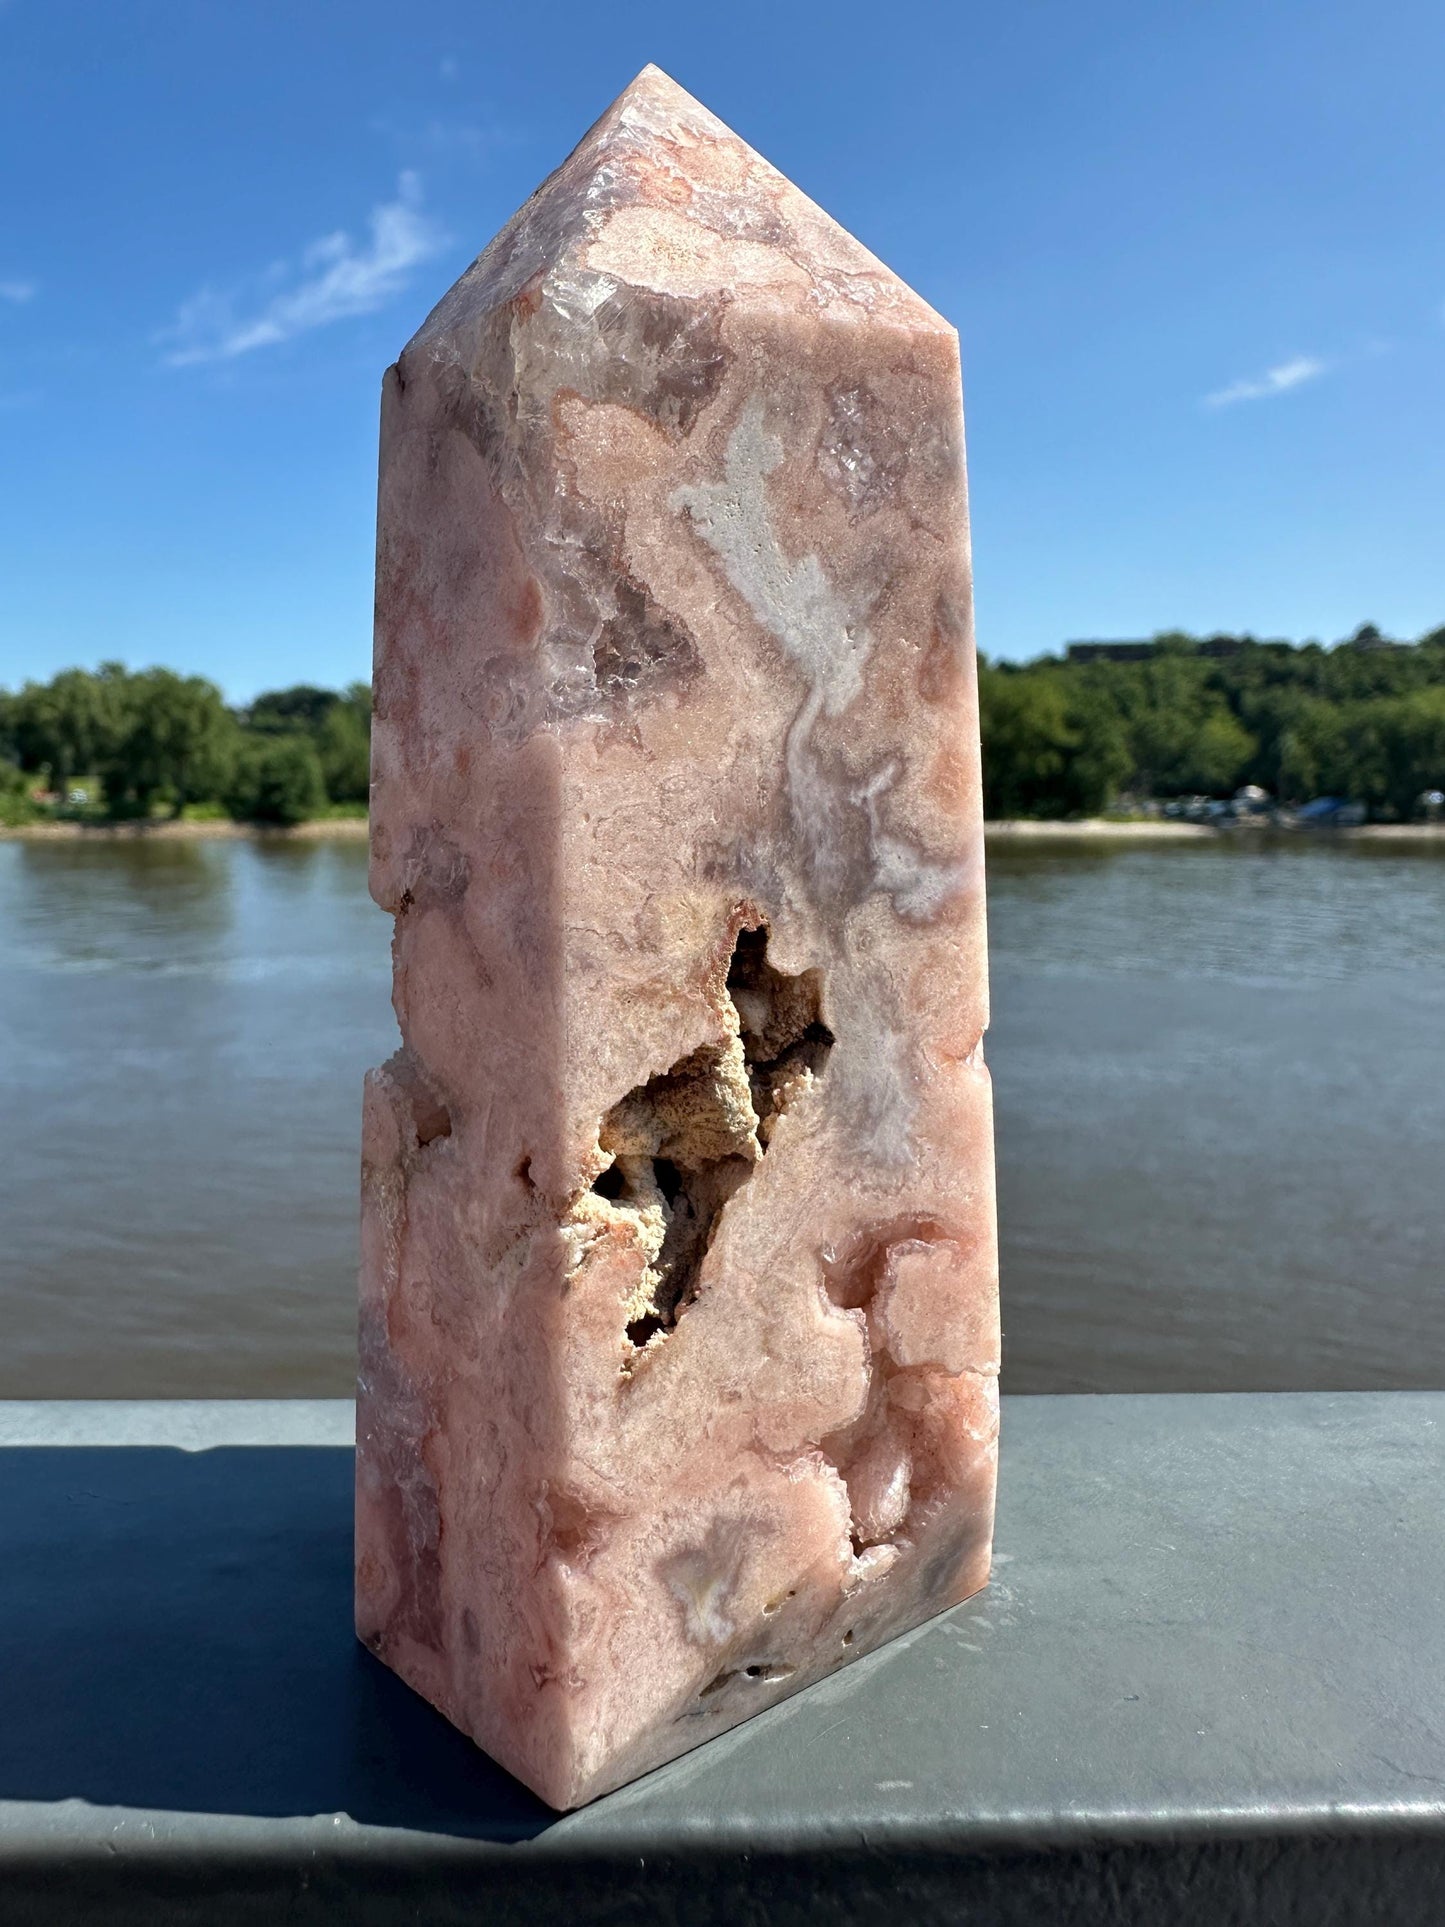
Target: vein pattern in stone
{"points": [[679, 1331]]}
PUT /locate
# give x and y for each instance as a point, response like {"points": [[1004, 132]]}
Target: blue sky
{"points": [[1195, 252]]}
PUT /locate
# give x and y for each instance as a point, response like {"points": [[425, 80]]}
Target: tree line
{"points": [[130, 744], [1364, 721]]}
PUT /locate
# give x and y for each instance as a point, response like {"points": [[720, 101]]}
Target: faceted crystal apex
{"points": [[660, 195]]}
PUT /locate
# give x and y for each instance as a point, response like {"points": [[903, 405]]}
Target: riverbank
{"points": [[1159, 830], [347, 828], [1015, 830], [1114, 830]]}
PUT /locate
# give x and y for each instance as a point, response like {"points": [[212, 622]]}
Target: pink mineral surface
{"points": [[679, 1328]]}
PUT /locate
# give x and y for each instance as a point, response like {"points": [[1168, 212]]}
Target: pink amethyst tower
{"points": [[679, 1316]]}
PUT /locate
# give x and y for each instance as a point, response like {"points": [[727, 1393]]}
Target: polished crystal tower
{"points": [[679, 1329]]}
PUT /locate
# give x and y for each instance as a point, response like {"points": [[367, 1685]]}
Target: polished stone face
{"points": [[679, 1331]]}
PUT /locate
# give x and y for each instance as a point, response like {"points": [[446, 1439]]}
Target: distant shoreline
{"points": [[349, 829], [1161, 830], [353, 829], [1030, 829]]}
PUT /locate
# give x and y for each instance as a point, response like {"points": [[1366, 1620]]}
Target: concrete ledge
{"points": [[1208, 1684]]}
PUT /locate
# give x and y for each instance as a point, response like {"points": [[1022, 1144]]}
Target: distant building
{"points": [[1110, 651], [1143, 651], [1367, 636]]}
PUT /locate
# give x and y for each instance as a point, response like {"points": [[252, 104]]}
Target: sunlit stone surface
{"points": [[679, 1318]]}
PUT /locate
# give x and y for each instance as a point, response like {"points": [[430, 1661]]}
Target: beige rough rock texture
{"points": [[679, 1332]]}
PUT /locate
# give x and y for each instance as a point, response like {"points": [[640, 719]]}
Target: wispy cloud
{"points": [[335, 279], [443, 141], [1274, 381], [17, 291]]}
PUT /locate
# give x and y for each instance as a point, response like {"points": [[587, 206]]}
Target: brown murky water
{"points": [[1220, 1076]]}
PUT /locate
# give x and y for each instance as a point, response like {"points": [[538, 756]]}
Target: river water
{"points": [[1220, 1079]]}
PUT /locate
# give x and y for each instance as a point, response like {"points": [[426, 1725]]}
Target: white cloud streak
{"points": [[17, 291], [1274, 381], [335, 279]]}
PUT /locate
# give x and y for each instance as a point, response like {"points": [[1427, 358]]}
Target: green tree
{"points": [[15, 802], [1182, 735], [71, 726], [177, 742], [303, 707], [1049, 748], [1381, 753], [1414, 732], [1319, 753], [276, 779], [343, 742]]}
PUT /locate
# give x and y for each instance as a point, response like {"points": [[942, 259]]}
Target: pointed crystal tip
{"points": [[660, 195]]}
